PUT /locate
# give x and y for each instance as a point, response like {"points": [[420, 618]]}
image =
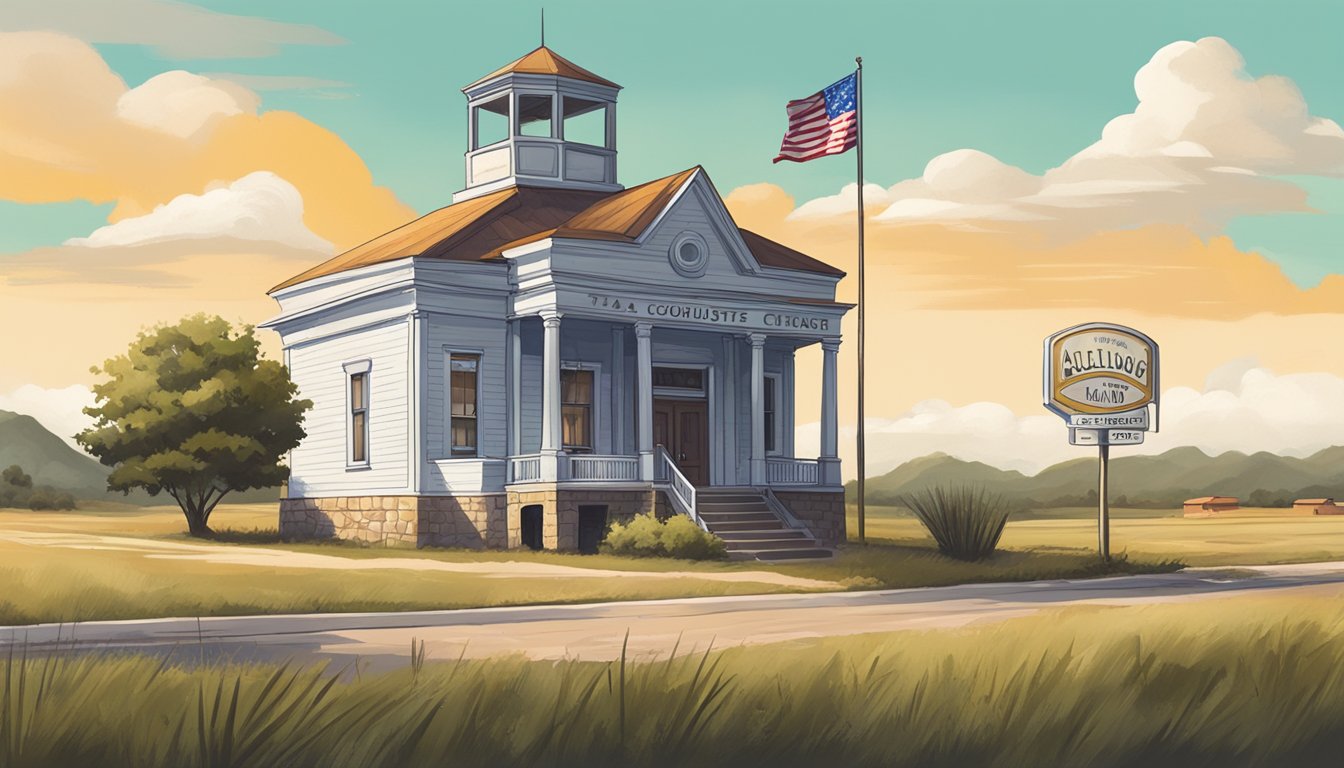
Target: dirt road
{"points": [[596, 631]]}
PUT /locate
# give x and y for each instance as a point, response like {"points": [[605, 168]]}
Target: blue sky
{"points": [[1029, 83], [705, 82]]}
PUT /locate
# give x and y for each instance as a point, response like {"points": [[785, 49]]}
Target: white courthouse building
{"points": [[554, 351]]}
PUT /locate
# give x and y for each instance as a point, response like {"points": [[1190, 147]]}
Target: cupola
{"points": [[541, 121]]}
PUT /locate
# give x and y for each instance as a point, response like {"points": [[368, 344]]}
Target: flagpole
{"points": [[858, 108]]}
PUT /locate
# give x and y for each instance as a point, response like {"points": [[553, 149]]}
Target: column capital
{"points": [[830, 345], [643, 329], [550, 318], [756, 339]]}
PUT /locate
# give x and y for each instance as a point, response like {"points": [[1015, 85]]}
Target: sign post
{"points": [[1102, 379], [1103, 502]]}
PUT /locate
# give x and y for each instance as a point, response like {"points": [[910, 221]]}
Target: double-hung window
{"points": [[464, 392], [576, 409], [359, 417]]}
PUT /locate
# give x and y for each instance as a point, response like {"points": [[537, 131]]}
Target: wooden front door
{"points": [[682, 427]]}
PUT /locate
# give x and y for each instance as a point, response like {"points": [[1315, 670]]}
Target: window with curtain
{"points": [[359, 418], [463, 394], [576, 409]]}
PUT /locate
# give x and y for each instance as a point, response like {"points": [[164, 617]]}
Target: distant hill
{"points": [[49, 460], [1164, 480]]}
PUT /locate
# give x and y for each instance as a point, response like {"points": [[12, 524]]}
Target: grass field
{"points": [[118, 562], [112, 562], [1251, 537], [1246, 682]]}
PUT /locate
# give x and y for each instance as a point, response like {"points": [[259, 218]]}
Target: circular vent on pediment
{"points": [[689, 254]]}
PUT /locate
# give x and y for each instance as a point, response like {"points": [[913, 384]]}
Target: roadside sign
{"points": [[1102, 379], [1127, 420], [1105, 436], [1100, 369]]}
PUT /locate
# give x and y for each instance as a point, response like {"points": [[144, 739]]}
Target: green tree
{"points": [[192, 410], [15, 476]]}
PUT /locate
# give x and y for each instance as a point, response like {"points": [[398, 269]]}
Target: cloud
{"points": [[1196, 101], [74, 131], [1243, 408], [61, 410], [1160, 270], [260, 215], [184, 105], [174, 30], [315, 85], [194, 226], [259, 207], [1202, 147]]}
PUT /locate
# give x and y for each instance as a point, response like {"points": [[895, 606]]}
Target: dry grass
{"points": [[62, 584], [1254, 537], [1224, 682]]}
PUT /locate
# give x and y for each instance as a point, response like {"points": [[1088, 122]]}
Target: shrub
{"points": [[15, 476], [679, 537], [966, 522], [50, 498], [17, 491]]}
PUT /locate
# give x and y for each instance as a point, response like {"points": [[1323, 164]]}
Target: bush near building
{"points": [[679, 537]]}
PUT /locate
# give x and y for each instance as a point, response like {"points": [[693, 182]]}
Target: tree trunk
{"points": [[197, 527], [196, 519]]}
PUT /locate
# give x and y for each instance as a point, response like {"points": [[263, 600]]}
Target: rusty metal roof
{"points": [[482, 228], [544, 61], [773, 254]]}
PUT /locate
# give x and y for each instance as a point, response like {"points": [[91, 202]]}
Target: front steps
{"points": [[752, 531]]}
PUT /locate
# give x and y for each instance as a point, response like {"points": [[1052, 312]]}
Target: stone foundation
{"points": [[474, 522], [491, 521], [560, 510], [823, 512], [477, 522]]}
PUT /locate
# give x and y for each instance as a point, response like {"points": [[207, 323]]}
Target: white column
{"points": [[829, 461], [644, 369], [550, 397], [757, 408]]}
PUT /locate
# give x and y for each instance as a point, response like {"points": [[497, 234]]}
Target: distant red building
{"points": [[1318, 506], [1210, 505]]}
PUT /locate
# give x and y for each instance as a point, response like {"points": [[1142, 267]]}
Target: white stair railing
{"points": [[680, 490]]}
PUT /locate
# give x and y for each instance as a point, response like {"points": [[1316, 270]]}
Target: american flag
{"points": [[825, 123]]}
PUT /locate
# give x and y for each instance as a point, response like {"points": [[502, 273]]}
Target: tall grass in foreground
{"points": [[1190, 685], [966, 522]]}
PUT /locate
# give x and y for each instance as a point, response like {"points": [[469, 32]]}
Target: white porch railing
{"points": [[524, 469], [782, 471], [584, 466], [680, 490]]}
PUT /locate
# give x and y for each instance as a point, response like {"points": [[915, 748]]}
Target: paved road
{"points": [[596, 631]]}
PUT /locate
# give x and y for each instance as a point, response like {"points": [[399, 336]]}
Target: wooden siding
{"points": [[483, 336], [319, 463], [583, 342]]}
